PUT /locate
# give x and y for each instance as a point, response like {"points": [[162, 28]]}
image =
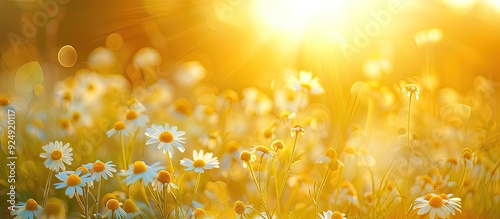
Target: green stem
{"points": [[288, 168], [250, 168], [321, 188], [80, 202], [171, 165], [259, 173], [47, 188], [268, 175], [409, 116], [198, 179], [98, 201], [122, 144], [164, 204]]}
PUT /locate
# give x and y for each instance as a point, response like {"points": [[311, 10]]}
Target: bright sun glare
{"points": [[296, 15]]}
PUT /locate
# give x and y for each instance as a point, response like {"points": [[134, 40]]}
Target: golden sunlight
{"points": [[295, 16]]}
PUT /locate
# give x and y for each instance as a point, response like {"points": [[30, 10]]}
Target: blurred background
{"points": [[250, 42]]}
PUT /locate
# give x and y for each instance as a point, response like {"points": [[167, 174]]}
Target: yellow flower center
{"points": [[139, 167], [31, 205], [4, 101], [268, 133], [199, 163], [444, 196], [98, 166], [131, 115], [113, 204], [427, 179], [166, 137], [331, 153], [73, 180], [230, 96], [76, 116], [350, 150], [278, 144], [183, 106], [452, 161], [263, 149], [336, 215], [467, 153], [239, 207], [209, 110], [333, 165], [245, 156], [83, 169], [285, 114], [132, 101], [199, 213], [65, 123], [232, 146], [67, 96], [297, 129], [56, 155], [129, 206], [120, 125], [428, 197], [306, 85], [163, 176], [436, 201]]}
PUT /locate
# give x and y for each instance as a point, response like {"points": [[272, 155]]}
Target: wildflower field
{"points": [[250, 109]]}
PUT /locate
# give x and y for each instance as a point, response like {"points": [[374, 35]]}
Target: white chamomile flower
{"points": [[57, 155], [202, 161], [29, 209], [168, 136]]}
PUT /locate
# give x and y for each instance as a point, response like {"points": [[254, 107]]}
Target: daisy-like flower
{"points": [[100, 169], [262, 150], [168, 136], [136, 119], [329, 155], [120, 127], [135, 104], [435, 205], [140, 171], [163, 179], [202, 161], [411, 89], [131, 209], [72, 181], [332, 215], [305, 82], [296, 130], [239, 208], [29, 209], [199, 213], [468, 158], [452, 203], [278, 144], [247, 157], [57, 155], [114, 210]]}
